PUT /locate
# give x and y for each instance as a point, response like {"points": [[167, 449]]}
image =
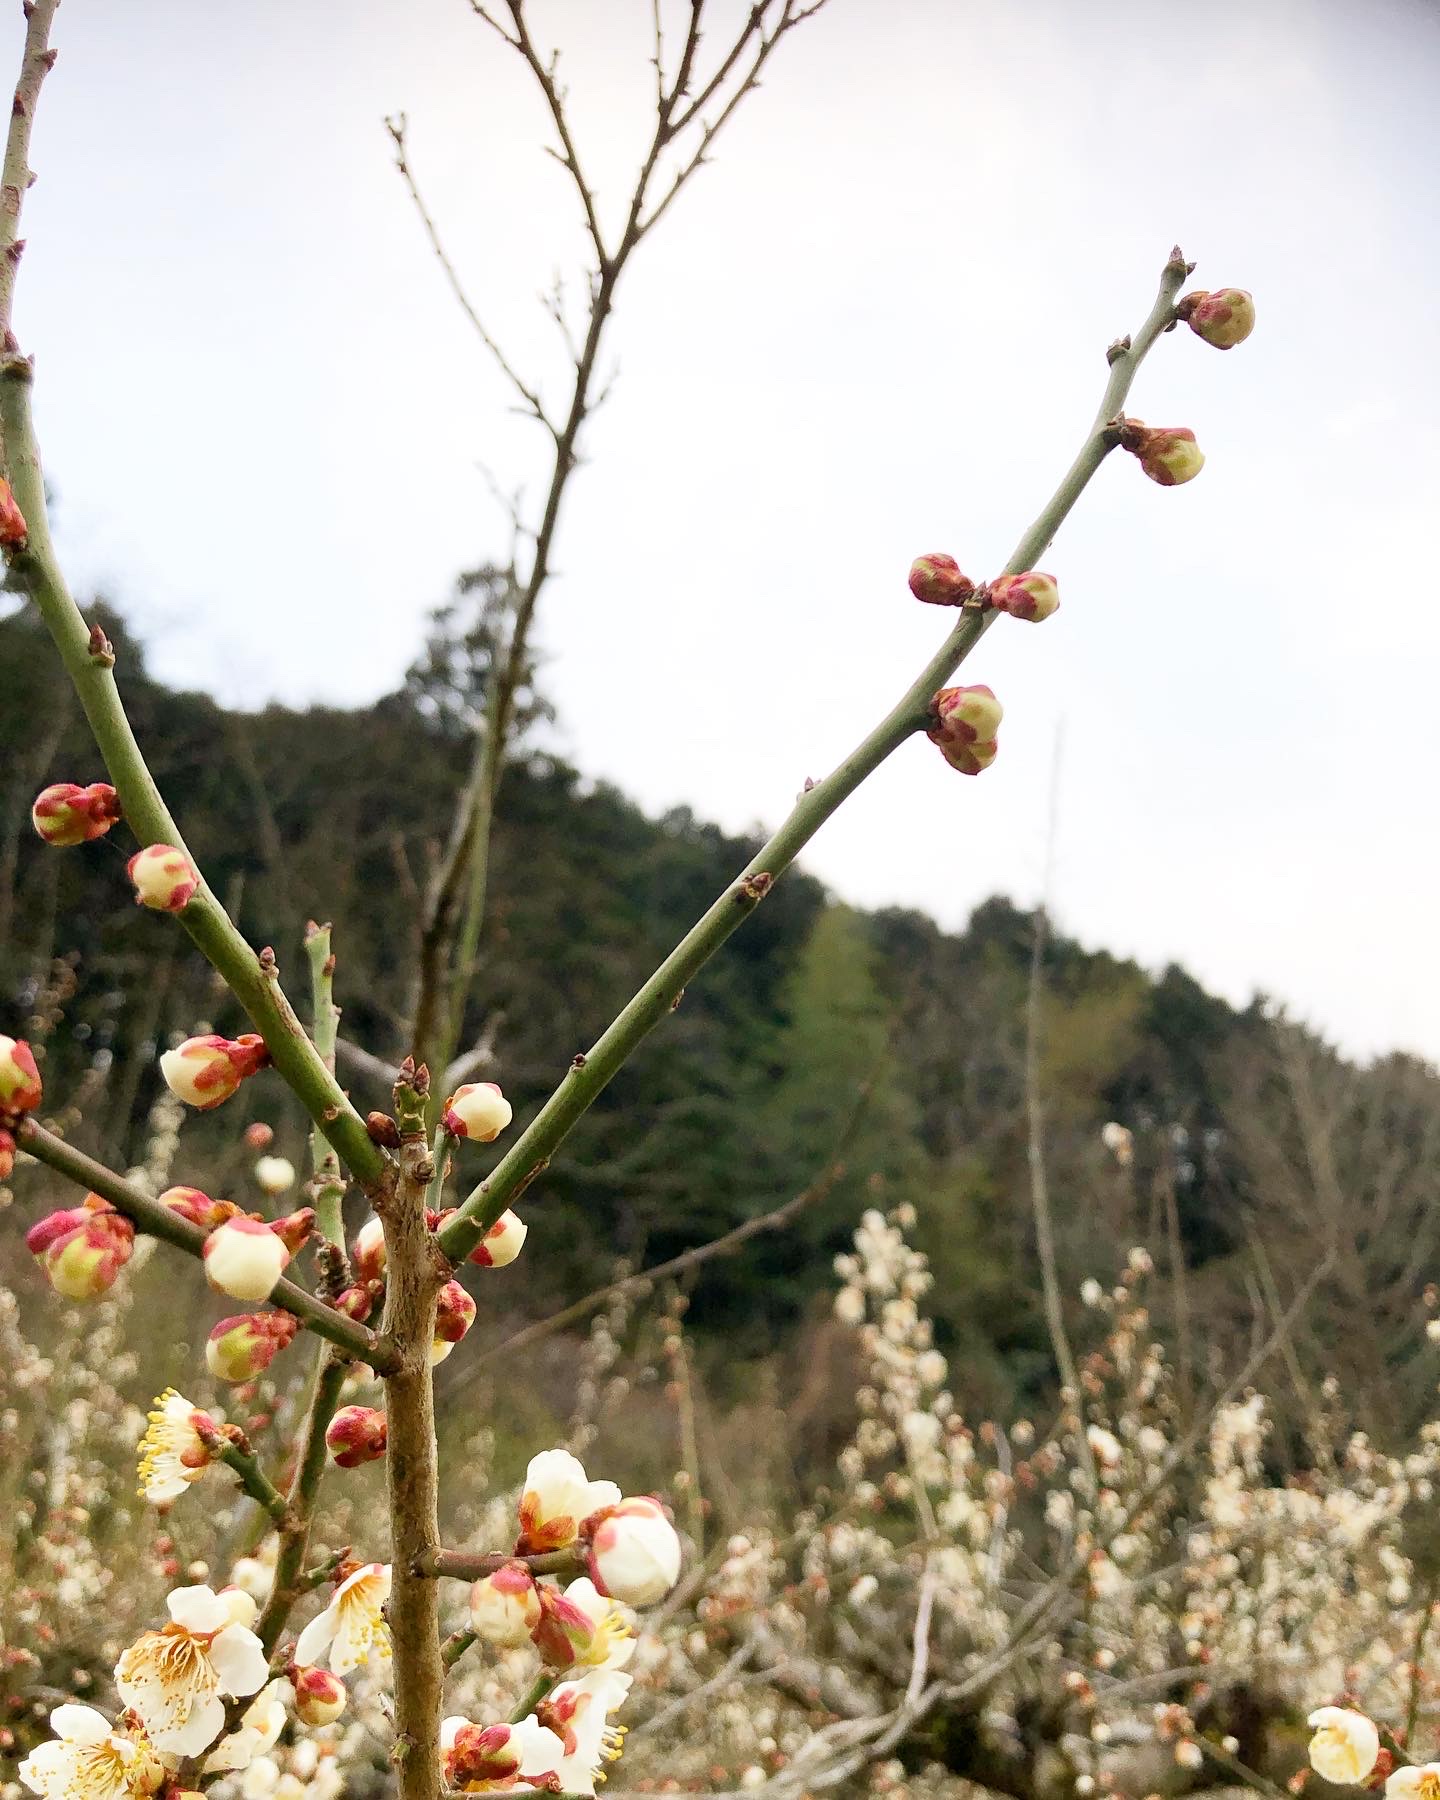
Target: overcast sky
{"points": [[874, 327]]}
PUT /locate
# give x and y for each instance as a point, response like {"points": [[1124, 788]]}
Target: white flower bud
{"points": [[635, 1553]]}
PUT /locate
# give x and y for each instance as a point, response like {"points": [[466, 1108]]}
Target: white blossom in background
{"points": [[1345, 1746]]}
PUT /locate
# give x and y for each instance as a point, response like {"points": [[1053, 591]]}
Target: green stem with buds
{"points": [[150, 1216], [89, 660], [592, 1072]]}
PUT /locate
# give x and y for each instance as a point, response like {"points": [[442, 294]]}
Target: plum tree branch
{"points": [[591, 1072]]}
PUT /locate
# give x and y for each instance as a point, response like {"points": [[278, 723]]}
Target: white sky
{"points": [[874, 327]]}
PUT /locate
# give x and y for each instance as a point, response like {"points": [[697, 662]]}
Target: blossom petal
{"points": [[80, 1724], [239, 1659], [316, 1638], [198, 1609], [206, 1721]]}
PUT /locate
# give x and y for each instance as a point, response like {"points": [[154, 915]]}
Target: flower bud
{"points": [[475, 1758], [165, 878], [245, 1258], [319, 1696], [1225, 318], [241, 1348], [502, 1243], [477, 1110], [358, 1302], [242, 1607], [13, 530], [83, 1249], [20, 1089], [356, 1435], [505, 1607], [454, 1315], [579, 1626], [938, 581], [205, 1071], [66, 814], [275, 1175], [634, 1552], [367, 1253], [1030, 596], [1167, 453], [1345, 1747], [965, 722], [195, 1206], [295, 1229], [7, 1155], [259, 1136]]}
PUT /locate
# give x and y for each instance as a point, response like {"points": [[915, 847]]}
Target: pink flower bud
{"points": [[259, 1136], [564, 1633], [359, 1301], [66, 814], [1225, 318], [195, 1206], [14, 532], [454, 1315], [165, 878], [241, 1348], [634, 1551], [7, 1155], [245, 1258], [356, 1435], [477, 1758], [502, 1243], [367, 1253], [965, 722], [477, 1110], [83, 1249], [295, 1229], [319, 1696], [206, 1071], [20, 1089], [1030, 596], [1168, 453], [938, 581], [505, 1607]]}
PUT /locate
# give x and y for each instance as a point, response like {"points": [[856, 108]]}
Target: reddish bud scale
{"points": [[7, 1155], [356, 1435], [197, 1207], [66, 814], [359, 1301], [20, 1088], [14, 532], [294, 1231], [937, 579]]}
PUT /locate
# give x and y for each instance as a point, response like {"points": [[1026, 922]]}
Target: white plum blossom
{"points": [[172, 1454], [1417, 1781], [260, 1726], [635, 1552], [1345, 1746], [351, 1628], [1104, 1446], [477, 1759], [176, 1679], [557, 1498], [579, 1712], [88, 1759]]}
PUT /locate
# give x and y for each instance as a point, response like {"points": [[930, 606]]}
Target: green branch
{"points": [[253, 1479], [89, 661], [328, 1186], [149, 1215], [592, 1072]]}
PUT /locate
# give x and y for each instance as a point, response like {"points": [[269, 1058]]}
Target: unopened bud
{"points": [[1167, 453], [505, 1607], [634, 1551], [295, 1229], [938, 580], [14, 532], [259, 1136], [245, 1258], [475, 1758], [274, 1174], [358, 1302], [243, 1608], [478, 1110], [7, 1155], [195, 1206], [454, 1315], [319, 1696], [82, 1249], [20, 1089], [1030, 596], [356, 1435], [1225, 318], [241, 1348], [367, 1253], [965, 722], [165, 878], [65, 814], [502, 1243], [206, 1071]]}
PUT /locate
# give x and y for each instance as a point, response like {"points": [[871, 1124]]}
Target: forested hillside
{"points": [[820, 1031]]}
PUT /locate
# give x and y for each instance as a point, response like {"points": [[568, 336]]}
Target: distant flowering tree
{"points": [[205, 1695]]}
